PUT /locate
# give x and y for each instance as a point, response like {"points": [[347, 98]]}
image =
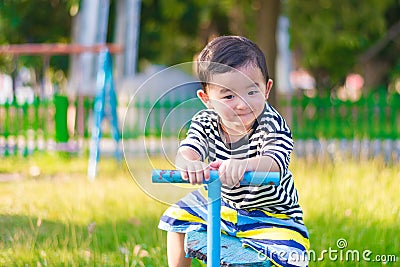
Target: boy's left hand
{"points": [[230, 171]]}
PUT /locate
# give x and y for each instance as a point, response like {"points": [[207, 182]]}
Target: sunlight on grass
{"points": [[354, 201], [62, 218], [53, 216]]}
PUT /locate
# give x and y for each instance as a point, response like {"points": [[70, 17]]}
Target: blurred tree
{"points": [[39, 21], [330, 35], [35, 21], [380, 61], [174, 31], [267, 15]]}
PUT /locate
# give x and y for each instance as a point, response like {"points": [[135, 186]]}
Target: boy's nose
{"points": [[241, 103]]}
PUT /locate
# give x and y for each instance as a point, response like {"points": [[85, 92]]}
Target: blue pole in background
{"points": [[98, 115], [105, 105]]}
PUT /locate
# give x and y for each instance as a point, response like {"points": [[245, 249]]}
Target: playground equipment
{"points": [[22, 118], [105, 106], [211, 247], [42, 123]]}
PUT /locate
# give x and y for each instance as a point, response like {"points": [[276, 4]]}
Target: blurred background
{"points": [[335, 65]]}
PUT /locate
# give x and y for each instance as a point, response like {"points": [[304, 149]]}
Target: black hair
{"points": [[225, 53]]}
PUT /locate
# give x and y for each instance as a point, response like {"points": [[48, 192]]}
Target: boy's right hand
{"points": [[192, 169], [195, 171]]}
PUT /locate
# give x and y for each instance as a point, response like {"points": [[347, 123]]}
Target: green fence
{"points": [[376, 116], [42, 124], [165, 118], [25, 124]]}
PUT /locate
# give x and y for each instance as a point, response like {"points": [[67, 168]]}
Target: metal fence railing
{"points": [[42, 125], [318, 124], [325, 126], [375, 116], [26, 127]]}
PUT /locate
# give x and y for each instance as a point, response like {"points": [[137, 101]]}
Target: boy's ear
{"points": [[268, 88], [204, 98]]}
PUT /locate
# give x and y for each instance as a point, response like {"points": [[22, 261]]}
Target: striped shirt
{"points": [[271, 137]]}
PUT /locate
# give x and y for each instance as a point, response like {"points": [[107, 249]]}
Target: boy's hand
{"points": [[195, 171], [230, 171], [191, 167]]}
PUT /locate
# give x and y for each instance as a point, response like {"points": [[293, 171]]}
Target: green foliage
{"points": [[332, 34], [39, 21], [174, 31]]}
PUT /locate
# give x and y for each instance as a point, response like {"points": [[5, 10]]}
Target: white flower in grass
{"points": [[87, 255], [124, 250], [134, 221], [39, 222], [347, 212], [43, 254], [91, 227], [138, 251], [34, 171]]}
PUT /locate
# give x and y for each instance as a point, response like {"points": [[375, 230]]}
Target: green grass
{"points": [[51, 215], [355, 201]]}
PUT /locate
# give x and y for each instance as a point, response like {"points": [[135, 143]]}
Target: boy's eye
{"points": [[253, 92], [229, 96]]}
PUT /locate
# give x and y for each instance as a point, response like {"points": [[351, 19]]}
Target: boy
{"points": [[239, 131]]}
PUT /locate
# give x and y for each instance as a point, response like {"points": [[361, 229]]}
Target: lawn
{"points": [[51, 215]]}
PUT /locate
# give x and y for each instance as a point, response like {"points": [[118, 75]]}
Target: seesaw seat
{"points": [[232, 252]]}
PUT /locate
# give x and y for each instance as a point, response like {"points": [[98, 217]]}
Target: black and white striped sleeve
{"points": [[196, 138], [278, 143]]}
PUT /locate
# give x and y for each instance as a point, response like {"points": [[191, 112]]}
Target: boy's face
{"points": [[238, 96]]}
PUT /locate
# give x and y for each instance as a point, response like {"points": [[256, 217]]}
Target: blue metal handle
{"points": [[214, 203], [249, 178]]}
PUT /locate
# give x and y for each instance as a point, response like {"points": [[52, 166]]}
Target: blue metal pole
{"points": [[214, 222], [105, 106], [98, 115], [111, 108]]}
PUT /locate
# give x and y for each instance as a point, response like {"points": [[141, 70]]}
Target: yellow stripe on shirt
{"points": [[181, 214], [275, 233], [229, 214]]}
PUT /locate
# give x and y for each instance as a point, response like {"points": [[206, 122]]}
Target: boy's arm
{"points": [[231, 171], [262, 164], [192, 168]]}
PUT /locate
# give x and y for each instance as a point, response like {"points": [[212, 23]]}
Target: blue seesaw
{"points": [[210, 247]]}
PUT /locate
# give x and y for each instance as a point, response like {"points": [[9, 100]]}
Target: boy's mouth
{"points": [[245, 114]]}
